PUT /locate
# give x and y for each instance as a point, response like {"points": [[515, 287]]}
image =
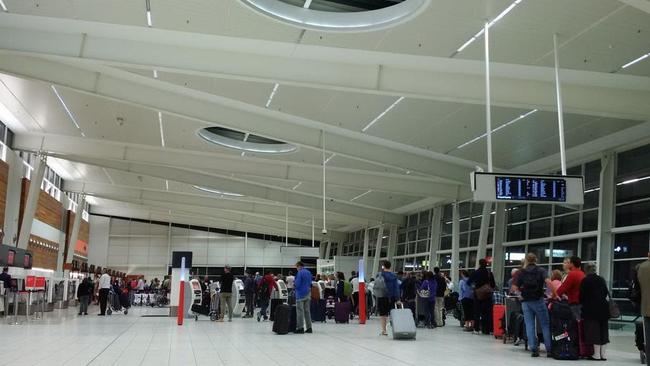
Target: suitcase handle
{"points": [[400, 304]]}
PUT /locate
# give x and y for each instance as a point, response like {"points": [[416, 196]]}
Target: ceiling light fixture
{"points": [[330, 158], [490, 23], [148, 7], [306, 6], [253, 143], [361, 195], [3, 6], [497, 129], [214, 191], [166, 185], [635, 61], [162, 134], [632, 180], [296, 186], [67, 110], [155, 74], [382, 114], [275, 88]]}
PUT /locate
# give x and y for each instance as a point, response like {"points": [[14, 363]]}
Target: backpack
{"points": [[263, 290], [347, 289], [380, 288], [532, 283]]}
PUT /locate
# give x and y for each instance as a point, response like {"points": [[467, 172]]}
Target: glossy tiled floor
{"points": [[65, 339]]}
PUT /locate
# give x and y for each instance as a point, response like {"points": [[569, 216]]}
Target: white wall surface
{"points": [[143, 248]]}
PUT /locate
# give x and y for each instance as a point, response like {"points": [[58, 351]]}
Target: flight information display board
{"points": [[504, 187], [530, 189]]}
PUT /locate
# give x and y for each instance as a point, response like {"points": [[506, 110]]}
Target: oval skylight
{"points": [[218, 192], [245, 141], [340, 15]]}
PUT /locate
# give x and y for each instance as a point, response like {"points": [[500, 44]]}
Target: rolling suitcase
{"points": [[639, 339], [498, 313], [342, 312], [330, 304], [274, 305], [282, 319], [586, 350], [317, 310], [564, 332], [402, 323]]}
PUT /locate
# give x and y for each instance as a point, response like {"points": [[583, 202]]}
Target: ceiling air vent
{"points": [[245, 141], [340, 15]]}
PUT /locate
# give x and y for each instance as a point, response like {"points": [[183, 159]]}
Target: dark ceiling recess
{"points": [[345, 5]]}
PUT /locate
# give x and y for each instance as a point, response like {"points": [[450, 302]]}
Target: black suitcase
{"points": [[564, 332], [274, 305], [317, 310], [282, 319]]}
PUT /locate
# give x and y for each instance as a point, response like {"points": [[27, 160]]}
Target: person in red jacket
{"points": [[571, 284], [265, 288]]}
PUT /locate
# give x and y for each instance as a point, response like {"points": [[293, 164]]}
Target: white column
{"points": [[32, 202], [375, 263], [392, 242], [606, 217], [483, 234], [455, 243], [286, 226], [313, 233], [12, 203], [488, 112], [245, 249], [560, 114], [328, 250], [366, 245], [434, 244], [76, 224], [499, 236], [321, 249]]}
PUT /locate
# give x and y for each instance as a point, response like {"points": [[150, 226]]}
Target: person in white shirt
{"points": [[141, 284], [104, 286], [355, 292], [290, 283]]}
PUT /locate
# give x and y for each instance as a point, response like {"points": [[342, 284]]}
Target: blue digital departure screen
{"points": [[530, 189]]}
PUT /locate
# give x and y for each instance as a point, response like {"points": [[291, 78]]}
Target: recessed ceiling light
{"points": [[244, 141], [162, 133], [155, 74], [3, 6], [382, 114], [522, 116], [635, 61], [148, 7], [218, 192], [275, 89], [490, 24]]}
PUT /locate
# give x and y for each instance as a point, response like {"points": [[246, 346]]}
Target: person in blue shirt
{"points": [[302, 287], [466, 297], [387, 295], [428, 288]]}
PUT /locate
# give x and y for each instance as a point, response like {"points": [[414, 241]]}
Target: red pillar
{"points": [[181, 303], [362, 303]]}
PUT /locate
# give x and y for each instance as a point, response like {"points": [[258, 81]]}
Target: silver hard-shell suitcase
{"points": [[402, 323]]}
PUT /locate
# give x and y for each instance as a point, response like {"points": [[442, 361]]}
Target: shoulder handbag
{"points": [[424, 292], [614, 311], [484, 292]]}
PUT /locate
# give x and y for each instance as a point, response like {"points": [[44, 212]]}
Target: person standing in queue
{"points": [[595, 312], [225, 296], [571, 284], [249, 292], [530, 284], [441, 286], [5, 277], [84, 292], [466, 298], [482, 306], [264, 289], [643, 281], [104, 288], [290, 280], [303, 296], [387, 291]]}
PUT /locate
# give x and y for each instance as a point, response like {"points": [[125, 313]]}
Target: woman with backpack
{"points": [[340, 288], [428, 291]]}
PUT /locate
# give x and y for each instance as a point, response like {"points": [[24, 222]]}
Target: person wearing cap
{"points": [[225, 297]]}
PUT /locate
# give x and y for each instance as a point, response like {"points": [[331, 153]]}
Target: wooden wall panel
{"points": [[48, 210], [4, 174], [43, 257], [81, 247]]}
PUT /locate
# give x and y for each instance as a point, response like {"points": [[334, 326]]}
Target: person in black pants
{"points": [[104, 286], [482, 308]]}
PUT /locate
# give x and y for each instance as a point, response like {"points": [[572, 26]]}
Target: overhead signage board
{"points": [[503, 187]]}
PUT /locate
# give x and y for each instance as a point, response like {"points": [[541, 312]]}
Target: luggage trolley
{"points": [[204, 303], [513, 306]]}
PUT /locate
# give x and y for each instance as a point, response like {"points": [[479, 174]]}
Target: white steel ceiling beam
{"points": [[410, 76], [88, 77], [241, 205], [76, 148]]}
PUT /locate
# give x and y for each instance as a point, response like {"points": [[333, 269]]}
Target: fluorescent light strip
{"points": [[632, 181], [210, 190], [382, 114], [497, 129], [361, 195], [490, 24], [592, 190], [166, 185], [275, 88], [330, 158], [635, 61], [307, 4], [296, 186], [3, 6], [67, 110], [162, 134], [155, 74], [148, 8]]}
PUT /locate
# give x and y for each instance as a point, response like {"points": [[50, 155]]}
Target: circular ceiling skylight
{"points": [[244, 141], [340, 15]]}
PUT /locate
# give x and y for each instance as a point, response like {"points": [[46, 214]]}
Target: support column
{"points": [[321, 249], [497, 250], [375, 262], [455, 243], [434, 244], [328, 249], [483, 234], [366, 246], [12, 205], [392, 242], [32, 202], [339, 248], [606, 217], [74, 235]]}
